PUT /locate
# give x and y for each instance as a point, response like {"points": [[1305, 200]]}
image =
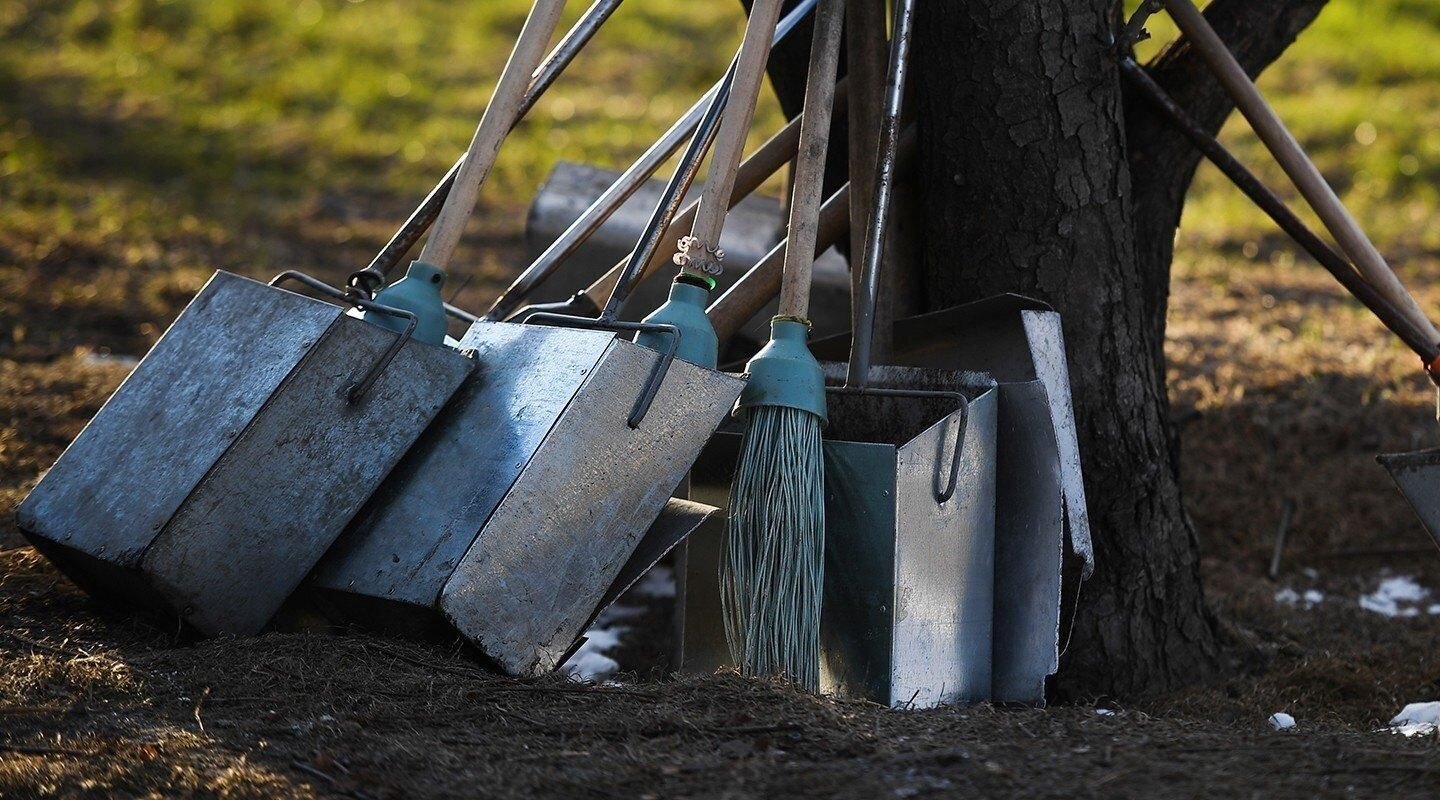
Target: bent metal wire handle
{"points": [[369, 280], [1336, 264], [356, 391]]}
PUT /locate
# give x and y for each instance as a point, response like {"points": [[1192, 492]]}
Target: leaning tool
{"points": [[250, 388], [1296, 163], [772, 572], [514, 514]]}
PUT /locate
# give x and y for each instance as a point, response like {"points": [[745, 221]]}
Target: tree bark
{"points": [[1036, 174], [1026, 188]]}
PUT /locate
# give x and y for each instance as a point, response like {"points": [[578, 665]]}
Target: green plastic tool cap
{"points": [[784, 373]]}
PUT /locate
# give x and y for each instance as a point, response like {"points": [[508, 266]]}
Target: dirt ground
{"points": [[98, 703]]}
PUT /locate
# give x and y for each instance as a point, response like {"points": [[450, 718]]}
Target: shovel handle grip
{"points": [[499, 117]]}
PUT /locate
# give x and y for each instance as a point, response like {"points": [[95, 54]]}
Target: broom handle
{"points": [[1297, 165], [863, 333], [777, 151], [802, 230], [494, 125], [743, 300], [730, 141]]}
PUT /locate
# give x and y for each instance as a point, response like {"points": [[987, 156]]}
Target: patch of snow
{"points": [[1417, 719], [658, 582], [94, 359], [1281, 721], [1396, 597], [1290, 597], [591, 662], [1105, 712]]}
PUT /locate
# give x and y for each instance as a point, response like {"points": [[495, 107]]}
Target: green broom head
{"points": [[419, 293], [686, 311], [773, 569]]}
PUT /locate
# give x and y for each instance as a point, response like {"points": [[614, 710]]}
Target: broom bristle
{"points": [[773, 569]]}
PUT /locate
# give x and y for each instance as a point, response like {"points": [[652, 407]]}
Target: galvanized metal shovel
{"points": [[231, 458], [517, 511]]}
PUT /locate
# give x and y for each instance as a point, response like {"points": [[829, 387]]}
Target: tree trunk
{"points": [[1026, 188], [1034, 175]]}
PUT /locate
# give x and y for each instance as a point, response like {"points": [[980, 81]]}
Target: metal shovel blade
{"points": [[1418, 476], [535, 574], [232, 457], [534, 456]]}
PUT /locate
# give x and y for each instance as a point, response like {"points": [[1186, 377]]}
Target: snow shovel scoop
{"points": [[183, 492], [231, 458], [515, 513]]}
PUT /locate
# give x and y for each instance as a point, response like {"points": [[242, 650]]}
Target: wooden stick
{"points": [[776, 152], [866, 57], [766, 161], [747, 296], [810, 160], [730, 141], [494, 125], [1297, 165]]}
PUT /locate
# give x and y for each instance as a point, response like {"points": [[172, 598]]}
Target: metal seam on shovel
{"points": [[358, 389]]}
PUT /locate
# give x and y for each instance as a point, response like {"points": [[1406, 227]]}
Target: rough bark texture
{"points": [[1036, 175], [1026, 189]]}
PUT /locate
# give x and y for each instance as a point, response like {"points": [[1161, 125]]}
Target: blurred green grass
{"points": [[145, 142]]}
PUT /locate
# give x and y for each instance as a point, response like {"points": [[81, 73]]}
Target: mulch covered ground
{"points": [[95, 702]]}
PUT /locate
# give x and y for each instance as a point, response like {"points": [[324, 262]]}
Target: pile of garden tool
{"points": [[895, 512]]}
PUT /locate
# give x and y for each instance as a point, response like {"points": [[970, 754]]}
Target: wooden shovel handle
{"points": [[499, 117], [776, 152], [1297, 165], [730, 141]]}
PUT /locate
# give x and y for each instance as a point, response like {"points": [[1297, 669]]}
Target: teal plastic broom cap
{"points": [[784, 373], [419, 293], [686, 311]]}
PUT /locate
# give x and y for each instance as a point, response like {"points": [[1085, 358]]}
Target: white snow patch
{"points": [[1417, 719], [1281, 721], [590, 662], [1396, 597], [1105, 712], [1309, 599]]}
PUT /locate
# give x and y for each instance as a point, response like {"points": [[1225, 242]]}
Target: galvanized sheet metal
{"points": [[1418, 476], [1029, 550], [534, 576], [945, 565], [129, 470], [908, 611], [408, 539], [287, 486]]}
